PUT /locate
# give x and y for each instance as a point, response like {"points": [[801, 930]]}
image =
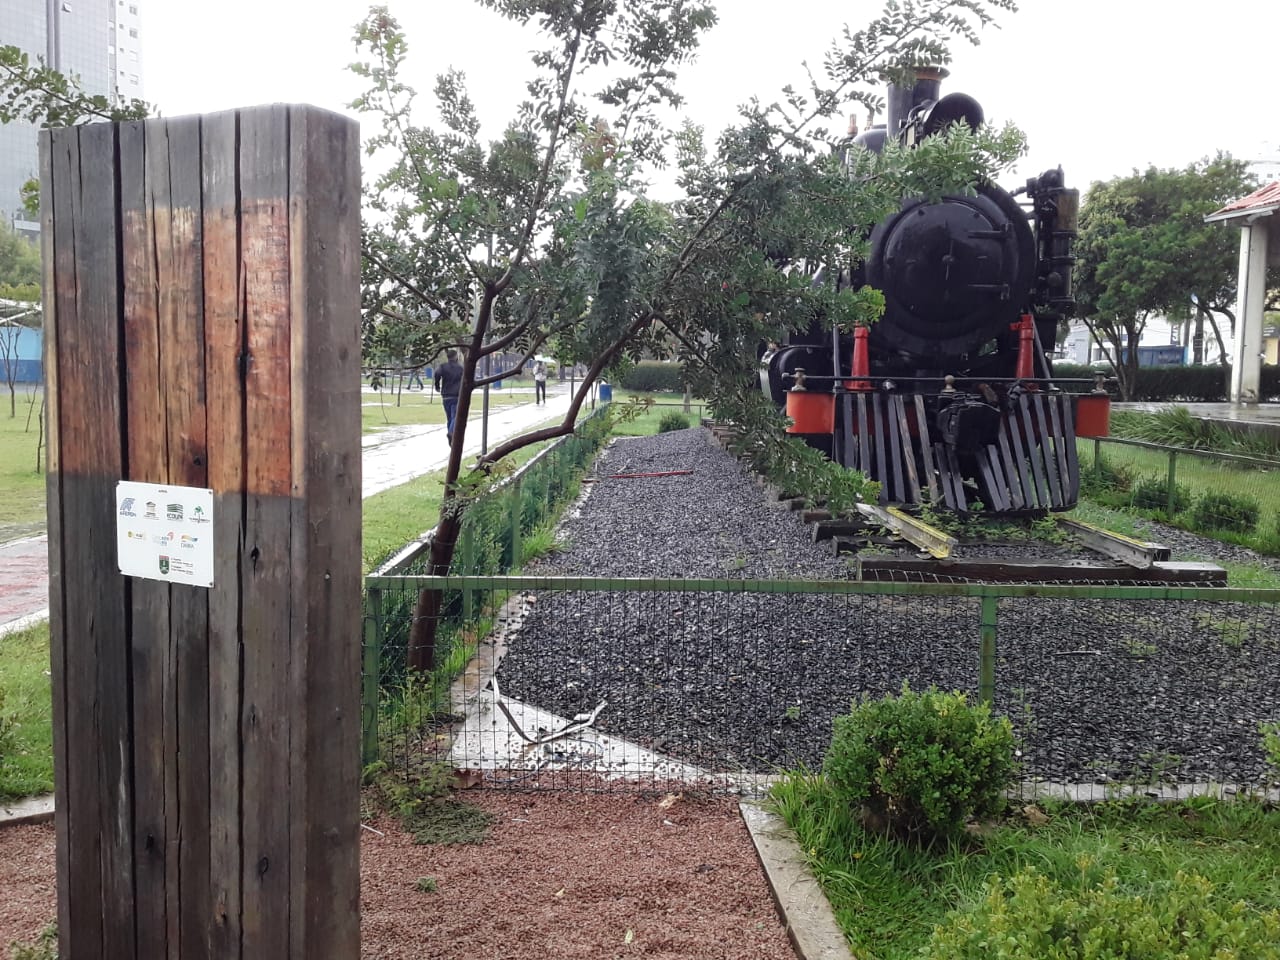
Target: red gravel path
{"points": [[562, 877]]}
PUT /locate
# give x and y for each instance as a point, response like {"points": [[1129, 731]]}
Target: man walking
{"points": [[448, 384], [539, 382]]}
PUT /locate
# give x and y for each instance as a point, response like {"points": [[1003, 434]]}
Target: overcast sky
{"points": [[1098, 86]]}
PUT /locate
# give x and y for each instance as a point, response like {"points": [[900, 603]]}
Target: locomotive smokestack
{"points": [[925, 85], [928, 84]]}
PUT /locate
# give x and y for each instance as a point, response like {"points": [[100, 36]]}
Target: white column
{"points": [[1246, 366]]}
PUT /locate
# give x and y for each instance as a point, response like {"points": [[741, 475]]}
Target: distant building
{"points": [[97, 40], [1161, 345]]}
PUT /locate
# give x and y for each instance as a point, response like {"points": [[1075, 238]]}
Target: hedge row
{"points": [[654, 376], [1187, 384]]}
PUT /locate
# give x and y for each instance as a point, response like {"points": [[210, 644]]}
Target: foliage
{"points": [[1106, 477], [1226, 511], [20, 269], [1176, 426], [1152, 493], [792, 465], [44, 947], [426, 804], [36, 93], [1145, 250], [1271, 747], [1027, 917], [888, 897], [921, 763], [652, 376], [514, 244], [673, 421]]}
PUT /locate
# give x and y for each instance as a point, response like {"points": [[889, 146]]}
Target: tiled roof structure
{"points": [[1266, 200]]}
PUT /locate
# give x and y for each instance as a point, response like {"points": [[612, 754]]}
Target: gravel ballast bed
{"points": [[1098, 690]]}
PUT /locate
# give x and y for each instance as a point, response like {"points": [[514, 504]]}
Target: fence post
{"points": [[371, 667], [1097, 459], [202, 344], [987, 662], [1173, 479], [517, 519], [468, 568]]}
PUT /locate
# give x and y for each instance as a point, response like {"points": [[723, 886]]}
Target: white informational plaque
{"points": [[165, 532]]}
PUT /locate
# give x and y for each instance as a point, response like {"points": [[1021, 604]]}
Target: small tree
{"points": [[1145, 250], [544, 236]]}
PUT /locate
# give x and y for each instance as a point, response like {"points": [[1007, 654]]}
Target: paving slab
{"points": [[24, 578]]}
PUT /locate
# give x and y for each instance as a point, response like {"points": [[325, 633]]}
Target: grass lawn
{"points": [[379, 411], [22, 511], [645, 424], [1199, 475], [888, 897], [395, 517], [26, 749]]}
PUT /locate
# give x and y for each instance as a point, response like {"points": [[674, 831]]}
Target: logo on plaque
{"points": [[164, 565]]}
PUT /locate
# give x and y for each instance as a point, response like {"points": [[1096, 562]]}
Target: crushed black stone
{"points": [[1098, 691]]}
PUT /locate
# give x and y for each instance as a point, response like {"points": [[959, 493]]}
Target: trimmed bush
{"points": [[654, 376], [921, 764], [1029, 918], [1203, 384], [1152, 493], [673, 421], [1225, 511]]}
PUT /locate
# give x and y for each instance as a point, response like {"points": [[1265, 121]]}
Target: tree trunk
{"points": [[426, 612], [1217, 334], [421, 654], [1129, 363]]}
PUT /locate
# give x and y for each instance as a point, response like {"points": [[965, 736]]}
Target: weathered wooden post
{"points": [[202, 334]]}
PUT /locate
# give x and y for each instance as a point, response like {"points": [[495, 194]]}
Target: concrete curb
{"points": [[804, 909], [30, 620], [33, 810]]}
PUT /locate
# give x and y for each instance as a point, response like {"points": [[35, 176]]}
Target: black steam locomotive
{"points": [[950, 397]]}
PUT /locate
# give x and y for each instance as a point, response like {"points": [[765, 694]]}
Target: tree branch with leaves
{"points": [[545, 235]]}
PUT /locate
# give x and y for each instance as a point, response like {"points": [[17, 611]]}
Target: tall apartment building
{"points": [[97, 40]]}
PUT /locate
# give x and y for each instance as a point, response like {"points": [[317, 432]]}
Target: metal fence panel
{"points": [[571, 681]]}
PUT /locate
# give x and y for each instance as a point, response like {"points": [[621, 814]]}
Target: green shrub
{"points": [[1271, 747], [653, 376], [1225, 511], [672, 421], [1106, 476], [1152, 493], [1029, 918], [43, 947], [921, 764]]}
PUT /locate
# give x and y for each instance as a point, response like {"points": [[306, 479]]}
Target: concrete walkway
{"points": [[389, 459], [397, 455]]}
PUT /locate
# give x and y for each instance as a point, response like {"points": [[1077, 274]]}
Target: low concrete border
{"points": [[804, 909], [31, 810], [30, 620]]}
